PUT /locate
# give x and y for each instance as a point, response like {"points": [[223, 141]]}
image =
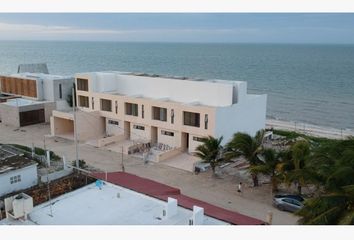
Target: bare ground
{"points": [[254, 202]]}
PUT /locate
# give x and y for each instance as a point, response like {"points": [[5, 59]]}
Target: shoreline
{"points": [[309, 129]]}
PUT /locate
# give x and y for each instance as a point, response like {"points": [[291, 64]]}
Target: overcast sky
{"points": [[234, 27]]}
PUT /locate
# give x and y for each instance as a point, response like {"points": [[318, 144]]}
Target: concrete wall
{"points": [[114, 130], [61, 126], [172, 141], [89, 126], [29, 178], [140, 135], [49, 107], [247, 116], [10, 115]]}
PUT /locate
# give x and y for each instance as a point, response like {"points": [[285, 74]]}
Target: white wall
{"points": [[28, 179], [114, 130], [247, 116], [172, 141], [209, 93]]}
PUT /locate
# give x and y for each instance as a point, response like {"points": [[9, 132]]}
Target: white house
{"points": [[16, 173]]}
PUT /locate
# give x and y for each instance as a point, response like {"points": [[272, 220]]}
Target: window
{"points": [[191, 119], [83, 101], [82, 84], [112, 122], [206, 121], [60, 92], [15, 179], [172, 116], [93, 103], [106, 105], [159, 114], [167, 133], [116, 106], [198, 139], [142, 111], [131, 109], [139, 127]]}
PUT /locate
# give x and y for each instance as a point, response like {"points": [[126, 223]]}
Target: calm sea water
{"points": [[305, 83]]}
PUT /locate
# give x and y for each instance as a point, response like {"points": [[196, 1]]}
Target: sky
{"points": [[180, 27]]}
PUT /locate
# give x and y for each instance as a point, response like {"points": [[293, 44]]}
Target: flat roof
{"points": [[21, 102], [14, 162], [93, 206], [38, 76], [163, 191]]}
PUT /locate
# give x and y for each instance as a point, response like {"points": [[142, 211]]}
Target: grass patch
{"points": [[38, 151], [290, 135]]}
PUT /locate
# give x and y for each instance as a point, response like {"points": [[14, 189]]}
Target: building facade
{"points": [[175, 112], [37, 95]]}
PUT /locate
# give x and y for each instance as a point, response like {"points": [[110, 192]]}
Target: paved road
{"points": [[255, 202]]}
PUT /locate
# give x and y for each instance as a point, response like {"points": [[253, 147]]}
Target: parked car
{"points": [[293, 196], [290, 203], [201, 167]]}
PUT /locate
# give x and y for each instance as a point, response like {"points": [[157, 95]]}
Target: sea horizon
{"points": [[305, 82]]}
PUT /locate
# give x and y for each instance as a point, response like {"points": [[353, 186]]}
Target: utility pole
{"points": [[75, 128], [123, 168]]}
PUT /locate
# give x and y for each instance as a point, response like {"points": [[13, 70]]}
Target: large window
{"points": [[106, 105], [83, 101], [131, 109], [82, 84], [159, 114], [191, 119]]}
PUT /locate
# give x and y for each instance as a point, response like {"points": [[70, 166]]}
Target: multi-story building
{"points": [[175, 112], [36, 96]]}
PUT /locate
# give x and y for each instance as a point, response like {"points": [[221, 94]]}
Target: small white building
{"points": [[113, 205], [16, 173]]}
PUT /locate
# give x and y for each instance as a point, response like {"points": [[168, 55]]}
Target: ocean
{"points": [[311, 83]]}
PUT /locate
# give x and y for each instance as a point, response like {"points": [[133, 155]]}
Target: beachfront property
{"points": [[16, 172], [149, 110], [31, 97], [130, 200]]}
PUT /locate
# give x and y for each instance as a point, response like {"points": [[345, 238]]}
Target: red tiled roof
{"points": [[162, 192]]}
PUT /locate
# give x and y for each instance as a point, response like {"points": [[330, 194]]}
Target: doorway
{"points": [[185, 141]]}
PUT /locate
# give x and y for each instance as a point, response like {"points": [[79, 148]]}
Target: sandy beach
{"points": [[309, 129]]}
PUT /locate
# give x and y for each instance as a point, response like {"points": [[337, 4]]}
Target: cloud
{"points": [[33, 28], [12, 31]]}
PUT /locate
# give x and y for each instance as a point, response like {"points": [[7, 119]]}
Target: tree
{"points": [[334, 163], [270, 167], [209, 151], [296, 170], [249, 147]]}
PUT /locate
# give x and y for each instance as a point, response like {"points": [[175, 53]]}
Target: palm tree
{"points": [[210, 151], [272, 161], [249, 147], [334, 163], [295, 169]]}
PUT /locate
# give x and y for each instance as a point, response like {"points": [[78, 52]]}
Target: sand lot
{"points": [[255, 202]]}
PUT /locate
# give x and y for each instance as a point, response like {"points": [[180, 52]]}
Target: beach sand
{"points": [[309, 129]]}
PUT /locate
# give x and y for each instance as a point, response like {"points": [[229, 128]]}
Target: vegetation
{"points": [[324, 166], [249, 147], [210, 151], [270, 167], [37, 151]]}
